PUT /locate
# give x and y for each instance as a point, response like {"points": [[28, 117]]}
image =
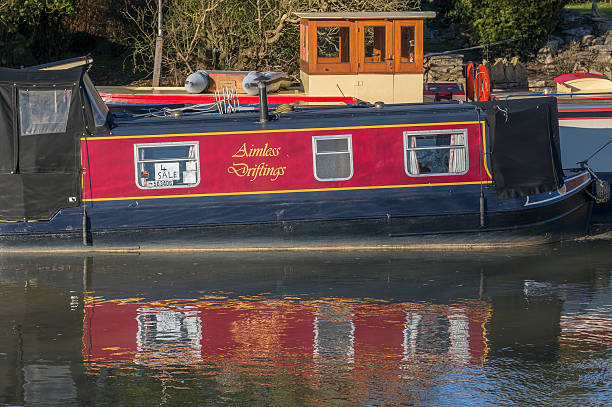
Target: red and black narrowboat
{"points": [[75, 176]]}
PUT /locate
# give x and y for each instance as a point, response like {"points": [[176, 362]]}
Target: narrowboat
{"points": [[75, 176]]}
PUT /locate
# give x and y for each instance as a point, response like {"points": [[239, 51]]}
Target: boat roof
{"points": [[331, 117], [368, 15], [38, 77], [579, 75]]}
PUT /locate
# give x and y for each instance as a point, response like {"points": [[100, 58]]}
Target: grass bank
{"points": [[585, 8]]}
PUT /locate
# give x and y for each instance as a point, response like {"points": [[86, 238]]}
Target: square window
{"points": [[442, 152], [333, 157], [167, 165], [44, 111], [333, 44]]}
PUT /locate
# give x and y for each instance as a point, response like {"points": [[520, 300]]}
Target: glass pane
{"points": [[164, 174], [99, 108], [167, 166], [374, 43], [428, 161], [333, 43], [332, 145], [44, 111], [165, 152], [407, 44], [332, 166], [439, 161], [430, 141]]}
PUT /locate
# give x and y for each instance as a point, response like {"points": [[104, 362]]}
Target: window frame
{"points": [[324, 67], [385, 65], [348, 137], [137, 161], [407, 134], [415, 67], [22, 113]]}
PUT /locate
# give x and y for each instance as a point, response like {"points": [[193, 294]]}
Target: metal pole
{"points": [[263, 102], [159, 42]]}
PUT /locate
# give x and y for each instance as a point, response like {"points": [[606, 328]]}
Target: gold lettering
{"points": [[242, 151], [262, 169], [239, 169]]}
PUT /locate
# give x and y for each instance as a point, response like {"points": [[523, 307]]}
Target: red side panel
{"points": [[378, 160]]}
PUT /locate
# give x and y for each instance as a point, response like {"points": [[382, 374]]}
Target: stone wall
{"points": [[444, 68], [580, 42]]}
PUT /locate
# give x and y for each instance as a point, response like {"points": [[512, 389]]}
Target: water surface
{"points": [[335, 328]]}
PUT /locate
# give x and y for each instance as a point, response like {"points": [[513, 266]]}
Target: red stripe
{"points": [[580, 99], [584, 118], [170, 99]]}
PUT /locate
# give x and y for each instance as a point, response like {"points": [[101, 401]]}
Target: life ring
{"points": [[483, 83], [470, 78]]}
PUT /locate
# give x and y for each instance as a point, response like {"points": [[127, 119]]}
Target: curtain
{"points": [[456, 160], [414, 163]]}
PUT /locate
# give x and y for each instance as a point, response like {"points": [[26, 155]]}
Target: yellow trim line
{"points": [[287, 191], [385, 126]]}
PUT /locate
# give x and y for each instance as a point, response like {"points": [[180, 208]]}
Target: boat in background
{"points": [[585, 127], [583, 82]]}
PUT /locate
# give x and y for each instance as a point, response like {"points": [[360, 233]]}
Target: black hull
{"points": [[563, 220]]}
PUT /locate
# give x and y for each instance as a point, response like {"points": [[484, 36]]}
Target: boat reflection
{"points": [[319, 338]]}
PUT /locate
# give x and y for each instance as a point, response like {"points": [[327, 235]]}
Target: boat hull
{"points": [[399, 219]]}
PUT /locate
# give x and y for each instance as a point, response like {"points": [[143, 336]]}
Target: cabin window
{"points": [[333, 44], [436, 152], [167, 165], [44, 111], [333, 157], [407, 51], [374, 42]]}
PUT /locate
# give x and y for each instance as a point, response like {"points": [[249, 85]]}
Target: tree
{"points": [[33, 31], [231, 34], [494, 20]]}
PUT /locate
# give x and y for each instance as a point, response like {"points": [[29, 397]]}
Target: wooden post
{"points": [[159, 42]]}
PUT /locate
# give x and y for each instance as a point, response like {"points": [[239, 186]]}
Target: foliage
{"points": [[231, 34], [488, 21], [32, 31]]}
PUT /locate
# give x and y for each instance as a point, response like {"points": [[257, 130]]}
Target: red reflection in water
{"points": [[350, 335]]}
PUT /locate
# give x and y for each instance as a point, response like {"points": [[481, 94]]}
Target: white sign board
{"points": [[167, 172]]}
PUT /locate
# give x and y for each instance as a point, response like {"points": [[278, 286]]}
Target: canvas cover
{"points": [[41, 122], [524, 146]]}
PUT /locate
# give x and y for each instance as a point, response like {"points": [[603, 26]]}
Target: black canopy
{"points": [[524, 146], [42, 119]]}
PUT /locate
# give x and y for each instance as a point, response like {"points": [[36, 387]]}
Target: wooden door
{"points": [[375, 42], [408, 46]]}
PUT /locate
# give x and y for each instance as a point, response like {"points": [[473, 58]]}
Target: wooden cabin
{"points": [[367, 55]]}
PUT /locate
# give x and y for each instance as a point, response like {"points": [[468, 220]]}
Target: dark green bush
{"points": [[488, 21], [33, 31]]}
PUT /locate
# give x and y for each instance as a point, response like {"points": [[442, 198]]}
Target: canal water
{"points": [[528, 327]]}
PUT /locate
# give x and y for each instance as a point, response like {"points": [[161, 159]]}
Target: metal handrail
{"points": [[576, 96]]}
